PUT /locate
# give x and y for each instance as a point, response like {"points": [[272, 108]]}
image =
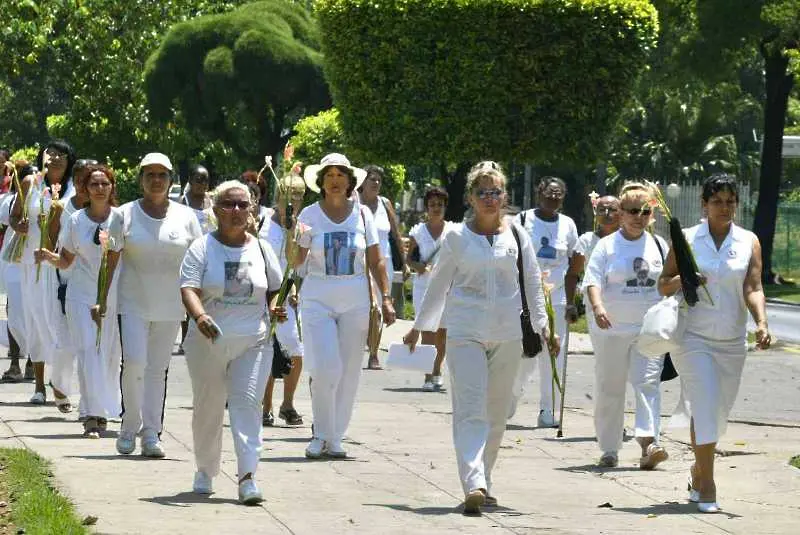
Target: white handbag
{"points": [[663, 327]]}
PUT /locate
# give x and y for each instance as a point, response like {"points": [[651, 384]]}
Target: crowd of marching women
{"points": [[262, 293]]}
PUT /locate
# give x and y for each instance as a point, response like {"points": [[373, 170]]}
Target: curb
{"points": [[775, 301]]}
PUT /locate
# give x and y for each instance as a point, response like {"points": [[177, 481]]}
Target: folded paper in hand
{"points": [[420, 360]]}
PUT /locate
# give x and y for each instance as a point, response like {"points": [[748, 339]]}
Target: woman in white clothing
{"points": [[338, 242], [475, 283], [620, 283], [273, 231], [14, 303], [425, 241], [47, 336], [156, 234], [83, 238], [227, 279], [554, 237], [713, 350], [386, 225]]}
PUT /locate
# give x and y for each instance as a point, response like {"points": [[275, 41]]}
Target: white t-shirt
{"points": [[586, 244], [234, 281], [337, 250], [274, 234], [77, 237], [627, 274], [554, 243], [152, 253]]}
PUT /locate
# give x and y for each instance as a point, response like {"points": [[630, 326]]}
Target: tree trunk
{"points": [[779, 84], [456, 185]]}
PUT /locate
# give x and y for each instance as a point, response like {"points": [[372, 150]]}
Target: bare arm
{"points": [[420, 267], [377, 266], [600, 314], [754, 297], [576, 263], [670, 281], [15, 221], [62, 260], [193, 302]]}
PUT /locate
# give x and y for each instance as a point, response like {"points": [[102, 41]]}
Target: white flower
{"points": [[268, 161]]}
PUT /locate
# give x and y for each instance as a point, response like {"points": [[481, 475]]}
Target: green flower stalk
{"points": [[13, 252], [102, 282], [551, 342]]}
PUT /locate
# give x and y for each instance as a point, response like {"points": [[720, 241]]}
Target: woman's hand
{"points": [[44, 255], [554, 345], [601, 317], [763, 336], [293, 301], [207, 326], [279, 313], [388, 311], [98, 312], [410, 339]]}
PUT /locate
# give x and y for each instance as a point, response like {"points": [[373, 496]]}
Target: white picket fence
{"points": [[687, 206]]}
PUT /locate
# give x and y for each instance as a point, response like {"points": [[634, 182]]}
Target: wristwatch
{"points": [[386, 296]]}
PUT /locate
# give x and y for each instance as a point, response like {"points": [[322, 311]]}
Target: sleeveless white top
{"points": [[384, 227]]}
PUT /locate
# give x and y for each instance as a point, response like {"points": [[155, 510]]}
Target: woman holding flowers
{"points": [[712, 353], [38, 208], [338, 242], [156, 234], [475, 283], [554, 237], [274, 231], [88, 236], [620, 283], [227, 279]]}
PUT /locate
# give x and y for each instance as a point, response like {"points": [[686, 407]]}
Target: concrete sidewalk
{"points": [[402, 478]]}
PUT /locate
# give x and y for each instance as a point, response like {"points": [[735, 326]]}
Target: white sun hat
{"points": [[156, 158], [340, 160]]}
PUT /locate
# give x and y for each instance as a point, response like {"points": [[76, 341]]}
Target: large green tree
{"points": [[450, 82], [241, 77]]}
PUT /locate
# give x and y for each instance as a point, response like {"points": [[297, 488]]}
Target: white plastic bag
{"points": [[663, 327]]}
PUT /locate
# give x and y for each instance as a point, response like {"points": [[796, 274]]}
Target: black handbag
{"points": [[281, 362], [62, 293], [531, 340], [397, 258], [668, 372]]}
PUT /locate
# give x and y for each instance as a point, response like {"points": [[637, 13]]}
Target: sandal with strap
{"points": [[91, 428], [64, 405], [12, 375], [290, 416]]}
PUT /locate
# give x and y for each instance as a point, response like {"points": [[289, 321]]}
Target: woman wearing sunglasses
{"points": [[554, 236], [621, 283], [227, 279], [475, 284], [156, 234], [83, 238]]}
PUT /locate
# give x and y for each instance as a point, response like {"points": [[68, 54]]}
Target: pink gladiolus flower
{"points": [[593, 197], [103, 236], [288, 152], [296, 168], [56, 189]]}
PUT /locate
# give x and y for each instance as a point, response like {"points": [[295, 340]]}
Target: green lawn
{"points": [[35, 505], [795, 461], [785, 292]]}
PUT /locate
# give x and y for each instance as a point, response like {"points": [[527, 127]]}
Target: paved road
{"points": [[784, 321]]}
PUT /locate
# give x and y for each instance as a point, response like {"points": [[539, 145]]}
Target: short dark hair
{"points": [[372, 169], [547, 180], [5, 153], [720, 182], [61, 146], [435, 192], [346, 170]]}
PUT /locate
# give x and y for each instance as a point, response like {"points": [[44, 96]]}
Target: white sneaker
{"points": [[438, 382], [428, 386], [249, 493], [335, 450], [315, 448], [202, 483], [151, 447], [38, 398], [126, 443], [546, 419]]}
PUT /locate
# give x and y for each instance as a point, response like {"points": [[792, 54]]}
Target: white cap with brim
{"points": [[156, 158], [340, 160]]}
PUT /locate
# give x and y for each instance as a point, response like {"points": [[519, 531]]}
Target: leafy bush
{"points": [[28, 154], [462, 80]]}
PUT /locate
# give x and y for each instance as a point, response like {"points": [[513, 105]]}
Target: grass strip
{"points": [[35, 505], [795, 461]]}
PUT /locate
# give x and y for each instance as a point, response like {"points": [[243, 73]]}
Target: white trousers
{"points": [[710, 373], [288, 335], [617, 362], [335, 327], [15, 311], [234, 368], [98, 368], [547, 396], [146, 352], [481, 380]]}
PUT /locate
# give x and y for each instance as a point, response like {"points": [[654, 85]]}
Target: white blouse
{"points": [[725, 270], [477, 283], [428, 248]]}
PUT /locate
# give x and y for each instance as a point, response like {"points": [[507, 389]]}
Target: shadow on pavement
{"points": [[597, 469], [186, 499], [286, 439], [569, 439], [670, 508], [426, 511], [405, 389], [119, 457], [47, 419]]}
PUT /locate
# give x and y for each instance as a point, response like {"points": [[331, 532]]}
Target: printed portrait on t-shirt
{"points": [[546, 250], [340, 253], [238, 286], [642, 270]]}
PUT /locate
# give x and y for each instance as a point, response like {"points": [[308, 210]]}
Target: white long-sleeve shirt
{"points": [[477, 283]]}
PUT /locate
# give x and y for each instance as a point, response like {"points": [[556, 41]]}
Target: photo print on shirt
{"points": [[642, 279], [546, 250], [238, 285], [340, 253]]}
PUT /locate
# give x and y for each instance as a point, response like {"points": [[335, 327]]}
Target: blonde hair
{"points": [[482, 169], [227, 186], [291, 182], [635, 191]]}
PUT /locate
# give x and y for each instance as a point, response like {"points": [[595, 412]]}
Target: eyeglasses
{"points": [[606, 211], [638, 211], [486, 194], [230, 206], [553, 194], [53, 153]]}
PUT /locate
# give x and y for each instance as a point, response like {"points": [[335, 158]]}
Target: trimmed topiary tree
{"points": [[454, 81], [241, 77]]}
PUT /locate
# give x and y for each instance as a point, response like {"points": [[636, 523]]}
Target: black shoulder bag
{"points": [[668, 372], [397, 258], [531, 340], [281, 362]]}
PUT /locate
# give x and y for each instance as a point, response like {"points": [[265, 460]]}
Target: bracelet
{"points": [[199, 316], [386, 296]]}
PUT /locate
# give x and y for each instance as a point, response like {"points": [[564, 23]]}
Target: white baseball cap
{"points": [[156, 158]]}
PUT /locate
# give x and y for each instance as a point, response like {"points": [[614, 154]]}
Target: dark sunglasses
{"points": [[637, 211], [229, 206]]}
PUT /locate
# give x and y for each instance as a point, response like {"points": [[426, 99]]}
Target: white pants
{"points": [[710, 373], [98, 369], [15, 312], [481, 380], [335, 325], [234, 368], [616, 362], [547, 396], [288, 335], [146, 352]]}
